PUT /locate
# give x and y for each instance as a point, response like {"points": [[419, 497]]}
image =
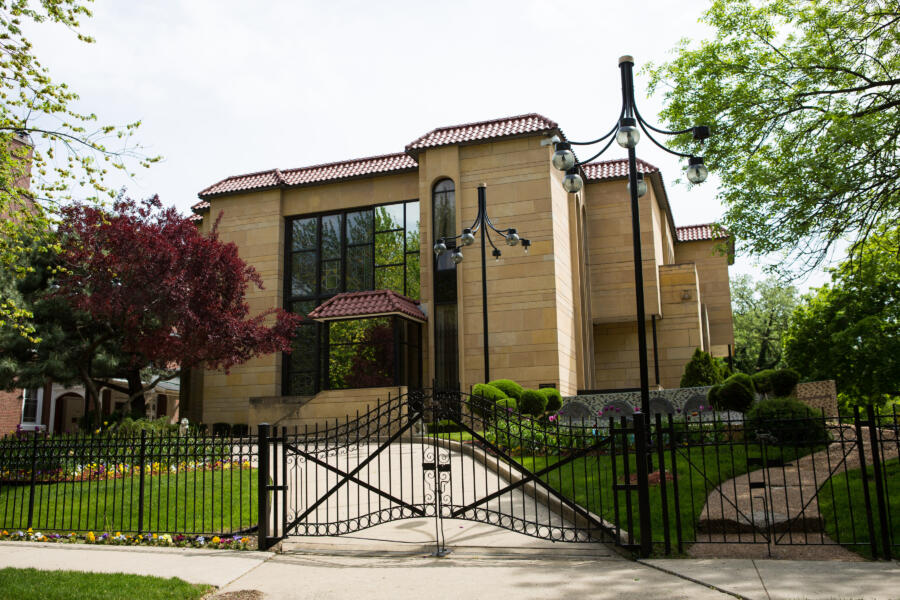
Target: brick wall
{"points": [[10, 410]]}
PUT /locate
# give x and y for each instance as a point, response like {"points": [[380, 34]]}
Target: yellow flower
{"points": [[90, 536], [30, 530], [118, 533], [216, 540], [155, 536]]}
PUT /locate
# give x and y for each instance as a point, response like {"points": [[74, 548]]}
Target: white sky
{"points": [[226, 87]]}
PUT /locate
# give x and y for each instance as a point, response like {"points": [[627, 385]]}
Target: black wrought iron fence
{"points": [[146, 482], [715, 479]]}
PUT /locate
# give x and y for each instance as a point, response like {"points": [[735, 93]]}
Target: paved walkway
{"points": [[471, 574]]}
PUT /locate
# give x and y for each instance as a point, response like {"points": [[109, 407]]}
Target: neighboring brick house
{"points": [[562, 314]]}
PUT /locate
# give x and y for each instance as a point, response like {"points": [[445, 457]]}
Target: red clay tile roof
{"points": [[347, 169], [614, 169], [699, 233], [350, 305], [483, 130]]}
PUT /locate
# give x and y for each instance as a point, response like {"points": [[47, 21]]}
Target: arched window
{"points": [[446, 344]]}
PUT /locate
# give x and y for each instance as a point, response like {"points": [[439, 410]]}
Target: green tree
{"points": [[702, 369], [762, 311], [50, 152], [803, 99], [850, 330]]}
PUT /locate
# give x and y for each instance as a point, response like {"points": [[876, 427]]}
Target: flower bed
{"points": [[105, 471], [236, 542]]}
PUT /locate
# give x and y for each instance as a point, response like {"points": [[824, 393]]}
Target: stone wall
{"points": [[821, 396]]}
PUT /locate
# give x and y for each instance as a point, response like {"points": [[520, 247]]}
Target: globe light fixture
{"points": [[440, 247], [467, 239], [641, 185], [563, 159], [457, 256], [696, 171], [572, 182], [628, 135], [512, 238]]}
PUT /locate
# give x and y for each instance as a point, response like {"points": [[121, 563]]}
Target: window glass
{"points": [[331, 237], [359, 227], [331, 276], [304, 234], [412, 226], [303, 274], [389, 248], [412, 276], [29, 405], [359, 268], [389, 217], [444, 209], [361, 353], [389, 278]]}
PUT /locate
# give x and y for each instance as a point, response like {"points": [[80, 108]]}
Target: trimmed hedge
{"points": [[504, 404], [735, 393], [784, 381], [532, 403], [508, 387], [483, 397], [763, 381], [788, 420], [554, 399]]}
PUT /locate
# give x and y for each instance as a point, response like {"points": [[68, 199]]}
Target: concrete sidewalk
{"points": [[470, 576], [789, 579]]}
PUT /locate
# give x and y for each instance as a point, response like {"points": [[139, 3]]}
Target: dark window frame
{"points": [[318, 296]]}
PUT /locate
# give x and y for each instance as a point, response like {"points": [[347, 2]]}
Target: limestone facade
{"points": [[562, 314]]}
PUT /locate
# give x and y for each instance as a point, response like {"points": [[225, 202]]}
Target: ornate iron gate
{"points": [[440, 455]]}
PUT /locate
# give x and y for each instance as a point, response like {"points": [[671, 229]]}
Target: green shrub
{"points": [[701, 370], [712, 396], [735, 393], [532, 402], [129, 426], [483, 398], [784, 381], [554, 399], [504, 404], [508, 387], [788, 420], [763, 381], [445, 426]]}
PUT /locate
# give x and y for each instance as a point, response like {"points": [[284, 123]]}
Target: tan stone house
{"points": [[562, 314]]}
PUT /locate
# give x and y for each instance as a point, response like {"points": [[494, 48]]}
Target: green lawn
{"points": [[32, 584], [846, 521], [588, 481], [193, 502]]}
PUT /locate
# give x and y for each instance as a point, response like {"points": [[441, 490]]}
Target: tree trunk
{"points": [[136, 391]]}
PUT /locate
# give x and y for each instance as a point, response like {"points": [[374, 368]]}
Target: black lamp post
{"points": [[482, 223], [626, 133]]}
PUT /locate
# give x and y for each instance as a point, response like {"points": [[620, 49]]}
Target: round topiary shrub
{"points": [[736, 393], [762, 381], [483, 398], [508, 387], [505, 404], [532, 403], [788, 421], [784, 381], [554, 399], [712, 396]]}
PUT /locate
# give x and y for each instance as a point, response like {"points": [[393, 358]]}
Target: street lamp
{"points": [[483, 224], [627, 133]]}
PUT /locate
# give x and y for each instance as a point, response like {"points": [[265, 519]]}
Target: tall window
{"points": [[364, 249], [29, 405], [446, 344]]}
